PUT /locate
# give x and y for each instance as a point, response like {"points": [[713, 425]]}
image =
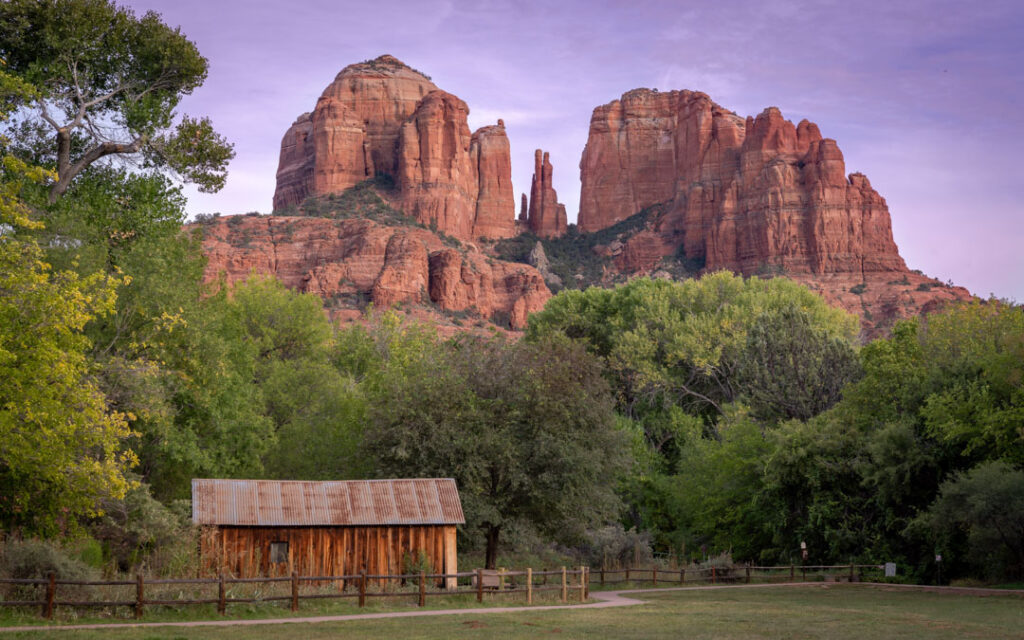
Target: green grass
{"points": [[826, 611]]}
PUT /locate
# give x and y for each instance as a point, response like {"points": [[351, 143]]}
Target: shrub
{"points": [[859, 289], [615, 546], [139, 531], [37, 559]]}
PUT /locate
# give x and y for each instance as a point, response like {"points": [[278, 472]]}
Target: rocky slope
{"points": [[751, 195], [382, 118], [351, 262]]}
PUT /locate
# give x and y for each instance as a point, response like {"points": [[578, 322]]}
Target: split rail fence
{"points": [[574, 583], [481, 582], [736, 574]]}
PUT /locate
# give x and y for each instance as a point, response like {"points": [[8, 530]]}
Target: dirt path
{"points": [[605, 599]]}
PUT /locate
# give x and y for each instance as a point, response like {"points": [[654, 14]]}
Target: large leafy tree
{"points": [[984, 506], [60, 446], [681, 344], [108, 83], [526, 429]]}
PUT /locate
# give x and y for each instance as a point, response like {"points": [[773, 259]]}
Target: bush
{"points": [[614, 546], [722, 563], [141, 532], [36, 560]]}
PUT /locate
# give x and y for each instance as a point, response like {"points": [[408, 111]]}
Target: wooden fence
{"points": [[349, 586], [734, 574]]}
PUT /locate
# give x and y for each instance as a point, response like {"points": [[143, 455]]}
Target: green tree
{"points": [[526, 429], [108, 84], [791, 369], [680, 344], [987, 504], [60, 447]]}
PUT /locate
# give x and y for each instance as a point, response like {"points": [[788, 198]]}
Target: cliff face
{"points": [[352, 262], [754, 196], [381, 117]]}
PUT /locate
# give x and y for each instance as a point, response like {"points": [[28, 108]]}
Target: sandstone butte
{"points": [[352, 262], [381, 117], [751, 195]]}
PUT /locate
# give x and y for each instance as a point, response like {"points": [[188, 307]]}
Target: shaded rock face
{"points": [[359, 261], [381, 117], [754, 196], [546, 216]]}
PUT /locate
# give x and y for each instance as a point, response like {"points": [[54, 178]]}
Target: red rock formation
{"points": [[754, 195], [381, 117], [491, 154], [523, 215], [352, 133], [360, 260], [546, 216], [436, 177]]}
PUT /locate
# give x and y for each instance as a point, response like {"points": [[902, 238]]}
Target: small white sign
{"points": [[938, 558], [890, 569]]}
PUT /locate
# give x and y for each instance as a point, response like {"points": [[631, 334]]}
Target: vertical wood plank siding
{"points": [[244, 552]]}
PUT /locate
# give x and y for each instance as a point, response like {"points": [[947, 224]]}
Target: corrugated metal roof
{"points": [[270, 503]]}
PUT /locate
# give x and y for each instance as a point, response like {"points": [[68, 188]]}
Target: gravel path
{"points": [[605, 599]]}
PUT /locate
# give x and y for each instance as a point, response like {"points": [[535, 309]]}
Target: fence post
{"points": [[529, 585], [139, 595], [295, 590], [51, 593], [479, 585], [627, 574], [803, 573], [222, 604], [654, 576], [682, 576], [583, 583], [714, 575], [792, 573], [563, 585], [748, 574], [602, 576], [851, 574], [362, 588]]}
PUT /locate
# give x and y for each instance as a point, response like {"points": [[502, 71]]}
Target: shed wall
{"points": [[325, 551]]}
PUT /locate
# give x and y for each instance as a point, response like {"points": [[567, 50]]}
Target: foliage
{"points": [[614, 546], [60, 446], [987, 505], [36, 559], [526, 430], [669, 343], [108, 83], [791, 369], [134, 527]]}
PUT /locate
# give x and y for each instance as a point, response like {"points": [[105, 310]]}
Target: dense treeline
{"points": [[713, 415]]}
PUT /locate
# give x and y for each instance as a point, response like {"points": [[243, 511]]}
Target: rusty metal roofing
{"points": [[270, 503]]}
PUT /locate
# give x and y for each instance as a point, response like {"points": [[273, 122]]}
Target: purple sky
{"points": [[923, 97]]}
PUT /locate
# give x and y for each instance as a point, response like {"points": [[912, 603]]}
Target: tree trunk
{"points": [[63, 164], [492, 547]]}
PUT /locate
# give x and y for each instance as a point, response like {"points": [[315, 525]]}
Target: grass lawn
{"points": [[833, 612]]}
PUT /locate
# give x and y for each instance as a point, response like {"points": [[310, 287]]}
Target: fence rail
{"points": [[501, 582], [739, 573]]}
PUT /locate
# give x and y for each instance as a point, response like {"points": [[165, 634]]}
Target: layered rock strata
{"points": [[751, 195], [348, 262], [382, 118], [546, 216]]}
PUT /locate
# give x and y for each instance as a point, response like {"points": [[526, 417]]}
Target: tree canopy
{"points": [[107, 84], [526, 429]]}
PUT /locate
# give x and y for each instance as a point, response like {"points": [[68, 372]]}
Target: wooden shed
{"points": [[255, 528]]}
